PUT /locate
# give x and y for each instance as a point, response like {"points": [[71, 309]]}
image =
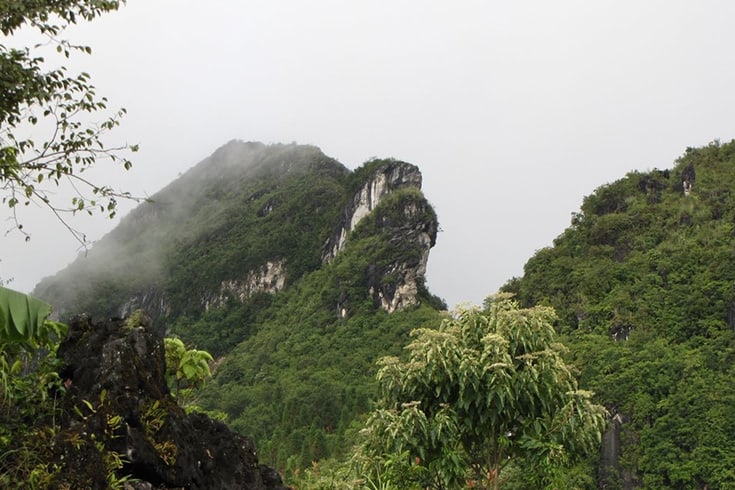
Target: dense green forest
{"points": [[234, 258], [641, 284], [644, 284], [292, 294]]}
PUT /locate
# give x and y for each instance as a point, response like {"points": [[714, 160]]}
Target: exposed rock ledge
{"points": [[269, 278], [388, 177], [117, 403]]}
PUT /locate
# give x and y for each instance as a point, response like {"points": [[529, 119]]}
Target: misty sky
{"points": [[513, 110]]}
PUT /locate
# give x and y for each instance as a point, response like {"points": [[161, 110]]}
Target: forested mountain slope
{"points": [[644, 283], [295, 272]]}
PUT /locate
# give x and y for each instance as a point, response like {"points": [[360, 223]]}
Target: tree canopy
{"points": [[485, 389], [37, 98]]}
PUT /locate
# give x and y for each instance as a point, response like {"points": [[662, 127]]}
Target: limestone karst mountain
{"points": [[295, 272], [249, 219]]}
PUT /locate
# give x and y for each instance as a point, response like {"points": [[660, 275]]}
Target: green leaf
{"points": [[22, 316]]}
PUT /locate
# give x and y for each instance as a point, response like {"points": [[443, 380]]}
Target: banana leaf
{"points": [[22, 317]]}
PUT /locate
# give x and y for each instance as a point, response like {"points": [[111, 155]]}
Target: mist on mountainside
{"points": [[265, 255], [138, 251]]}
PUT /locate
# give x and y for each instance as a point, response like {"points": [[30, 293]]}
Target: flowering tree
{"points": [[485, 389]]}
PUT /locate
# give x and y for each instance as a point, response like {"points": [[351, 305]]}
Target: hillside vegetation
{"points": [[294, 272], [298, 275], [644, 284]]}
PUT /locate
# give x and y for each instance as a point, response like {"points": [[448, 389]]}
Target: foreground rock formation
{"points": [[120, 421]]}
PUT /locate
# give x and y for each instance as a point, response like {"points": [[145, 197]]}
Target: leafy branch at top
{"points": [[35, 98]]}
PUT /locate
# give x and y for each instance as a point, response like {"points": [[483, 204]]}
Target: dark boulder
{"points": [[120, 421]]}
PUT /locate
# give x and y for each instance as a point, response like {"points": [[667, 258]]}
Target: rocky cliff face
{"points": [[396, 284], [269, 278], [152, 300], [119, 419], [384, 179], [408, 224]]}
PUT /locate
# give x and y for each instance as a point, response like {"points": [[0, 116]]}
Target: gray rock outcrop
{"points": [[119, 419], [384, 180], [395, 285]]}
